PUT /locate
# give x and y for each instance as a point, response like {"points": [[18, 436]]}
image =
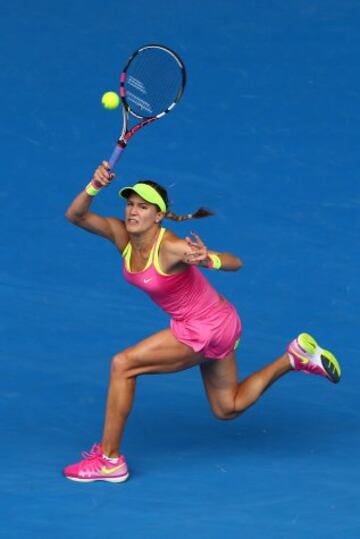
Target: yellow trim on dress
{"points": [[156, 254], [153, 255], [126, 254]]}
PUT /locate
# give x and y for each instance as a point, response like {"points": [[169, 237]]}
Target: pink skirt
{"points": [[215, 336]]}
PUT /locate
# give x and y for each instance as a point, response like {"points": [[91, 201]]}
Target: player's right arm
{"points": [[79, 212]]}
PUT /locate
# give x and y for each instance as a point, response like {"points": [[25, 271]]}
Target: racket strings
{"points": [[153, 82]]}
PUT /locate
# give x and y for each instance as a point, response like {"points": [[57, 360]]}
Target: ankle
{"points": [[110, 453]]}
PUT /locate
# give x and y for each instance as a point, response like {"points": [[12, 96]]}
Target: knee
{"points": [[224, 411], [121, 365]]}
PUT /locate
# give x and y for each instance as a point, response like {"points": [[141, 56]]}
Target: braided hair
{"points": [[198, 214]]}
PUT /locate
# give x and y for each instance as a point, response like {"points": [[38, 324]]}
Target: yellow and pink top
{"points": [[200, 317]]}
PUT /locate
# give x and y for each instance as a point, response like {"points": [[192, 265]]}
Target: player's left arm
{"points": [[193, 251]]}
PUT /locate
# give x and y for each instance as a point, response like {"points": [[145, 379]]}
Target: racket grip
{"points": [[115, 156]]}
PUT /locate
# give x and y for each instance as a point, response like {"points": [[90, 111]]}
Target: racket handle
{"points": [[115, 156]]}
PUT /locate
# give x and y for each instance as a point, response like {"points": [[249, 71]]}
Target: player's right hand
{"points": [[102, 175]]}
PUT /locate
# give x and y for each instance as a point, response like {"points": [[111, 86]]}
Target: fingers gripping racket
{"points": [[151, 84]]}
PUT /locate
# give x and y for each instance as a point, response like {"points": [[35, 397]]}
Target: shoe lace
{"points": [[92, 460], [95, 451]]}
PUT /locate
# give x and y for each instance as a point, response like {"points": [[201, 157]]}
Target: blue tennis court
{"points": [[266, 135]]}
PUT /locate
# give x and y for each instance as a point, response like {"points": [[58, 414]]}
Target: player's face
{"points": [[140, 215]]}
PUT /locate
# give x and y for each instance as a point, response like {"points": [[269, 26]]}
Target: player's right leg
{"points": [[160, 353]]}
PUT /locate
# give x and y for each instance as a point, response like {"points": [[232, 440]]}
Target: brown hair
{"points": [[198, 214]]}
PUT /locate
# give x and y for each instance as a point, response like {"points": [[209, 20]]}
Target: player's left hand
{"points": [[197, 254]]}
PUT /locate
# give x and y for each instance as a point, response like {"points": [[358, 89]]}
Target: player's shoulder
{"points": [[171, 242], [170, 236], [119, 232]]}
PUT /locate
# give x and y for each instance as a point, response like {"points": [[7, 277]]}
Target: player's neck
{"points": [[144, 240]]}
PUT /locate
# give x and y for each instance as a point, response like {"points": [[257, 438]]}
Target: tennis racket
{"points": [[151, 84]]}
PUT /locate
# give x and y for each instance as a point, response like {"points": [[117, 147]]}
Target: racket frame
{"points": [[127, 133]]}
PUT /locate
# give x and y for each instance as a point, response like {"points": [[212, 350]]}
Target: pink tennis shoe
{"points": [[307, 356], [95, 467]]}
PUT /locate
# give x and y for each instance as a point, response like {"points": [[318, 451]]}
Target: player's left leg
{"points": [[227, 396]]}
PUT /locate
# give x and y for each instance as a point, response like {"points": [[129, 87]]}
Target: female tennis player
{"points": [[204, 329]]}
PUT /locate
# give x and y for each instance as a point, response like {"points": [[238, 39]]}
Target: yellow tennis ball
{"points": [[110, 100]]}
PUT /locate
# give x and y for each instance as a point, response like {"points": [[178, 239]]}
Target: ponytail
{"points": [[201, 212]]}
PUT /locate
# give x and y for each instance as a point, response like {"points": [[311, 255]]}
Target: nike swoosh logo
{"points": [[107, 471], [147, 280]]}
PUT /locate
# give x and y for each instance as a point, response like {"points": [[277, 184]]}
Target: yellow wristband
{"points": [[91, 190], [214, 262]]}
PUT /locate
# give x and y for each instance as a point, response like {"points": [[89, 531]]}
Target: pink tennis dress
{"points": [[200, 317]]}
